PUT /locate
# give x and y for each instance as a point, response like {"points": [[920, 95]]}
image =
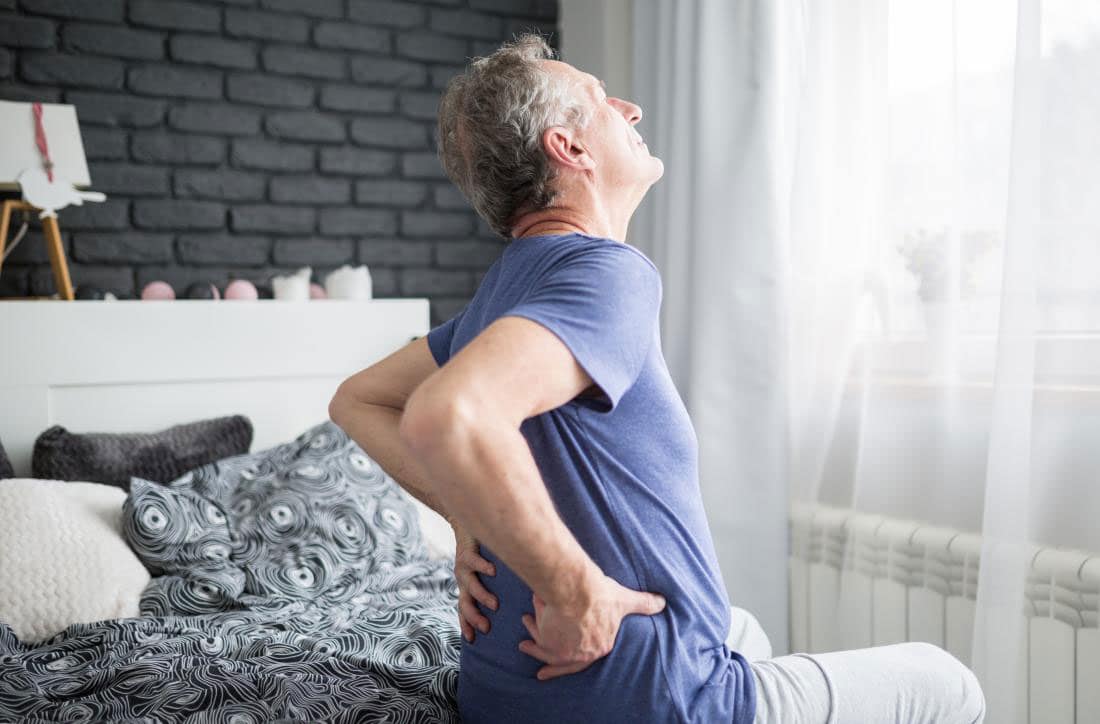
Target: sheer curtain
{"points": [[879, 231]]}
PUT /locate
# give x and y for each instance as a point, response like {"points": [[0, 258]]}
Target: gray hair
{"points": [[491, 121]]}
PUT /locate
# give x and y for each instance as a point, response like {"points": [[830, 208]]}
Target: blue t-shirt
{"points": [[621, 468]]}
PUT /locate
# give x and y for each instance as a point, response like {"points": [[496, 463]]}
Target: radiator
{"points": [[859, 580]]}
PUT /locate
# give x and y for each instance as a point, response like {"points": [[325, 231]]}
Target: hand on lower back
{"points": [[468, 564], [568, 638]]}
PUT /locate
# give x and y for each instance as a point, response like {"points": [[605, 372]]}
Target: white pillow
{"points": [[63, 559]]}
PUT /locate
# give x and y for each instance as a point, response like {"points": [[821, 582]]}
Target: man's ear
{"points": [[563, 148]]}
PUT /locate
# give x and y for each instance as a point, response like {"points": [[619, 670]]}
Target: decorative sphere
{"points": [[241, 289], [316, 291], [158, 291], [89, 291], [202, 290]]}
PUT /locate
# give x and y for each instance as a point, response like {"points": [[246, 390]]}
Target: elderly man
{"points": [[542, 422]]}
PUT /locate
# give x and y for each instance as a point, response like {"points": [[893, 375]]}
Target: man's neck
{"points": [[569, 218]]}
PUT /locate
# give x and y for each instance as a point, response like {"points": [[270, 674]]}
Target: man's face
{"points": [[622, 158]]}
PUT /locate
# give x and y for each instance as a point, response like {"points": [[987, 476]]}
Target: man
{"points": [[542, 422]]}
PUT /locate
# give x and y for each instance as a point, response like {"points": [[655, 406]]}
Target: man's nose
{"points": [[631, 111]]}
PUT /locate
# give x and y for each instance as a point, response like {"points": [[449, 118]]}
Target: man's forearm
{"points": [[493, 488], [375, 429]]}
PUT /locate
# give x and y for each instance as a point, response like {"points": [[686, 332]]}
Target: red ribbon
{"points": [[40, 140]]}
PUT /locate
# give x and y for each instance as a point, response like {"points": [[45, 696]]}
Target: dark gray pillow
{"points": [[5, 465], [114, 458]]}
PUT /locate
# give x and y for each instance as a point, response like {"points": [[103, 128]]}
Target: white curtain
{"points": [[879, 230]]}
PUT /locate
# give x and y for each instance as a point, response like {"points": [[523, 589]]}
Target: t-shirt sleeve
{"points": [[439, 339], [602, 302]]}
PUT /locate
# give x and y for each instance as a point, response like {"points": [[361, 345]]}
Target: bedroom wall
{"points": [[246, 138]]}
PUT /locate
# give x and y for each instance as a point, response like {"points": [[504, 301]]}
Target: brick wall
{"points": [[245, 138]]}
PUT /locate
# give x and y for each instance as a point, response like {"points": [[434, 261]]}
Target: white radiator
{"points": [[861, 580]]}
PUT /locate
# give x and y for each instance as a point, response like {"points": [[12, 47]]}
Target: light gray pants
{"points": [[910, 683]]}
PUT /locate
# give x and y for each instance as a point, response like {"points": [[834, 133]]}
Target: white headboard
{"points": [[132, 366]]}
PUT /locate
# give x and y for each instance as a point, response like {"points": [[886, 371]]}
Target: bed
{"points": [[371, 637]]}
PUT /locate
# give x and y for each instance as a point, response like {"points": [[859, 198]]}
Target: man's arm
{"points": [[463, 423], [368, 407]]}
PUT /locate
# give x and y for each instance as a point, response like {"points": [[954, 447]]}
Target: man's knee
{"points": [[957, 683]]}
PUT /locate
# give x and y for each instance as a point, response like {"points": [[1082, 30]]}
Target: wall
{"points": [[249, 137]]}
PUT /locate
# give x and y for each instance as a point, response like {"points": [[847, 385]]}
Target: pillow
{"points": [[312, 519], [5, 465], [114, 458], [63, 557]]}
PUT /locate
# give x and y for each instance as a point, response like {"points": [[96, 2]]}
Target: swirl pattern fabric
{"points": [[290, 584]]}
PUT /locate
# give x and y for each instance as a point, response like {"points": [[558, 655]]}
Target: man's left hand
{"points": [[568, 638]]}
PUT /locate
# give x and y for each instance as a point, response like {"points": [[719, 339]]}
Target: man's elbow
{"points": [[432, 421], [338, 405]]}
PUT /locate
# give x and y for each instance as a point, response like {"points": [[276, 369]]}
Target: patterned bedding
{"points": [[290, 584]]}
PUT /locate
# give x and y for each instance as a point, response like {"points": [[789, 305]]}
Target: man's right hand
{"points": [[468, 564]]}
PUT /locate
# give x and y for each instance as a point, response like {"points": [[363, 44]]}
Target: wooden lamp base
{"points": [[52, 233]]}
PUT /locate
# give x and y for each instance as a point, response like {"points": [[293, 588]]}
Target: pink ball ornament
{"points": [[158, 291], [316, 291], [241, 289]]}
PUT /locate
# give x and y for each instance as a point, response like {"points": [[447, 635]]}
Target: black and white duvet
{"points": [[291, 584]]}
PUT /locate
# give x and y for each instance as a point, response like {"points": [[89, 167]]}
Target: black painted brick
{"points": [[273, 219], [223, 184], [436, 223], [447, 196], [118, 42], [431, 47], [213, 140], [215, 118], [32, 249], [395, 252], [422, 165], [388, 133], [423, 105], [129, 179], [212, 50], [115, 279], [116, 109], [177, 148], [108, 10], [314, 8], [417, 281], [310, 190], [172, 80], [306, 126], [179, 214], [269, 91], [349, 36], [342, 97], [292, 252], [358, 161], [266, 25], [256, 153], [224, 249], [442, 74], [176, 15], [302, 61], [388, 71], [125, 247], [24, 32], [111, 214], [390, 192], [107, 144], [379, 12], [358, 222], [48, 68], [466, 23]]}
